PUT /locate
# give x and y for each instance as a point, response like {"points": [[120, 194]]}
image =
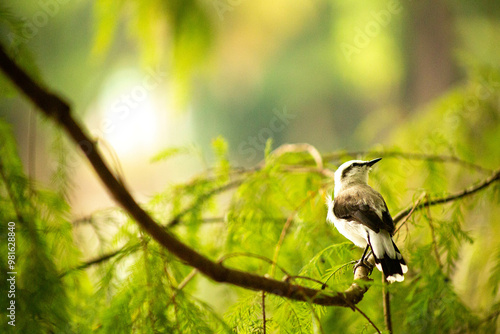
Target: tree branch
{"points": [[464, 193], [59, 111]]}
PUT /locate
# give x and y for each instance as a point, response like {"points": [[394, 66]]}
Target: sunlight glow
{"points": [[136, 131], [130, 121]]}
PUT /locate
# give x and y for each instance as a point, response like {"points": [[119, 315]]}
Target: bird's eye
{"points": [[347, 170]]}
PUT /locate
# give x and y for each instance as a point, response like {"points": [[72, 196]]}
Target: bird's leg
{"points": [[362, 262]]}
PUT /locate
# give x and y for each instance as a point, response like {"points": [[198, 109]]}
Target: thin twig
{"points": [[284, 230], [367, 318], [407, 217], [287, 225], [354, 307], [433, 235], [306, 278], [99, 259], [187, 279], [103, 258], [386, 298], [491, 316], [256, 256], [335, 271], [177, 219], [264, 311], [182, 284]]}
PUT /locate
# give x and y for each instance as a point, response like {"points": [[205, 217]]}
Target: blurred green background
{"points": [[152, 74]]}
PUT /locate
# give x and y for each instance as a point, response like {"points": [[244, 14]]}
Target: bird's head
{"points": [[353, 172]]}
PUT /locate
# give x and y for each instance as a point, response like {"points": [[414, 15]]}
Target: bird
{"points": [[360, 214]]}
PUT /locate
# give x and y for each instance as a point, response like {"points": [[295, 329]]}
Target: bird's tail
{"points": [[388, 258]]}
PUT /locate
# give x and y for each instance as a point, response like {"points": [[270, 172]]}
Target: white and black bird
{"points": [[361, 215]]}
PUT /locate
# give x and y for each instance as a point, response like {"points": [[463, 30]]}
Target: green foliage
{"points": [[43, 248], [442, 310], [248, 308]]}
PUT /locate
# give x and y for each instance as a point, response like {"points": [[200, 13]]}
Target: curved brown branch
{"points": [[464, 193], [304, 147], [59, 111]]}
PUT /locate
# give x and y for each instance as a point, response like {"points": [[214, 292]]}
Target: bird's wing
{"points": [[353, 206]]}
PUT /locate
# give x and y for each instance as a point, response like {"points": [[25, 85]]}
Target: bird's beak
{"points": [[373, 162]]}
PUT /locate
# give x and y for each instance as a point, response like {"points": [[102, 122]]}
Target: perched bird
{"points": [[361, 215]]}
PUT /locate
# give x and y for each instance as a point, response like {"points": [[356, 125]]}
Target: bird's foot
{"points": [[363, 263]]}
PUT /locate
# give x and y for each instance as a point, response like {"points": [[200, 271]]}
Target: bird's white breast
{"points": [[353, 231]]}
